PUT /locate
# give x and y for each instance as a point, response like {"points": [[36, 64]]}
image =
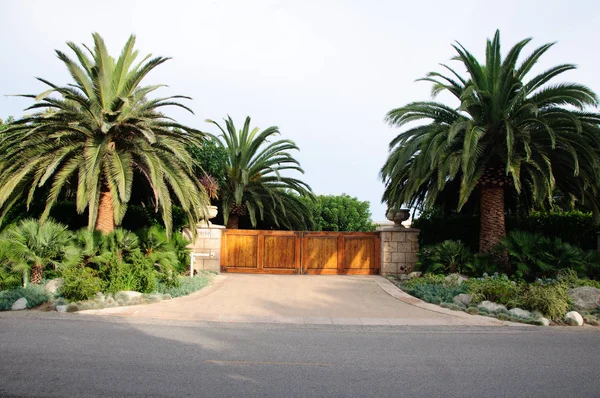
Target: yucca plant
{"points": [[29, 247], [94, 136], [509, 132], [255, 184]]}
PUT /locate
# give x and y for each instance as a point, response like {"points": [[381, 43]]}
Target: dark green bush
{"points": [[447, 257], [80, 283], [496, 288], [535, 256], [572, 227], [35, 295]]}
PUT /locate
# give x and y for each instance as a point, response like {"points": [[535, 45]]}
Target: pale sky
{"points": [[324, 72]]}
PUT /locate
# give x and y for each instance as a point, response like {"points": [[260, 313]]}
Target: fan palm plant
{"points": [[93, 137], [509, 132], [29, 247], [254, 183]]}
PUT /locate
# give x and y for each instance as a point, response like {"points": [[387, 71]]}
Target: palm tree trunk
{"points": [[492, 218], [105, 221], [233, 222], [37, 272]]}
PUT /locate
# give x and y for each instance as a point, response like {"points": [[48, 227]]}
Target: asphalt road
{"points": [[81, 356]]}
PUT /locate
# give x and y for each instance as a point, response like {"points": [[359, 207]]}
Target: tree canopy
{"points": [[95, 136], [510, 131]]}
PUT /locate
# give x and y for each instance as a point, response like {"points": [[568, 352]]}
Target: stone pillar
{"points": [[399, 248], [206, 249]]}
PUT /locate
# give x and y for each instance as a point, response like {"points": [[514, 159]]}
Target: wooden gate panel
{"points": [[242, 251], [359, 253], [280, 252], [252, 251], [320, 254]]}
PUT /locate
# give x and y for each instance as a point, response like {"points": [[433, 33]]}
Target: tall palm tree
{"points": [[30, 247], [254, 183], [510, 131], [96, 135]]}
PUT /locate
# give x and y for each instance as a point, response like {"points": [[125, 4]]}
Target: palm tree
{"points": [[254, 183], [508, 132], [29, 247], [101, 133]]}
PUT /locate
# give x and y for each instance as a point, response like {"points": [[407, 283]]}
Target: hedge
{"points": [[574, 227]]}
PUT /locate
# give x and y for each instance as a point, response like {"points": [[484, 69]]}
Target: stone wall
{"points": [[207, 248], [399, 248]]}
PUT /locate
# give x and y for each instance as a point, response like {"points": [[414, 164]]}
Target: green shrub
{"points": [[549, 299], [35, 295], [573, 227], [447, 257], [9, 280], [496, 288], [535, 256], [80, 283], [186, 285]]}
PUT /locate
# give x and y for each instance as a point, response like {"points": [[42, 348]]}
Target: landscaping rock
{"points": [[585, 297], [457, 277], [573, 318], [463, 298], [544, 321], [415, 274], [61, 308], [519, 313], [491, 307], [20, 304], [127, 295], [53, 285]]}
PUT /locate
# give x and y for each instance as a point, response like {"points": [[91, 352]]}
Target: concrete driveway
{"points": [[305, 299]]}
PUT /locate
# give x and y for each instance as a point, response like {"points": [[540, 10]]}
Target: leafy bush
{"points": [[80, 283], [496, 288], [536, 256], [9, 280], [549, 299], [186, 285], [35, 295], [447, 257]]}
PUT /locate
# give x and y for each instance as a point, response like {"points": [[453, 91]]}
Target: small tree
{"points": [[29, 247], [340, 213]]}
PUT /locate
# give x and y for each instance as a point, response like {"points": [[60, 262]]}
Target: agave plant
{"points": [[96, 135], [29, 247], [511, 131]]}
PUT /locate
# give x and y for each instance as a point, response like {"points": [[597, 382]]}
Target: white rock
{"points": [[463, 298], [491, 306], [53, 285], [458, 278], [544, 321], [61, 308], [585, 297], [519, 313], [20, 304], [415, 274], [573, 318]]}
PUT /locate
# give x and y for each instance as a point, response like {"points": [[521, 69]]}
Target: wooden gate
{"points": [[288, 252], [260, 252]]}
